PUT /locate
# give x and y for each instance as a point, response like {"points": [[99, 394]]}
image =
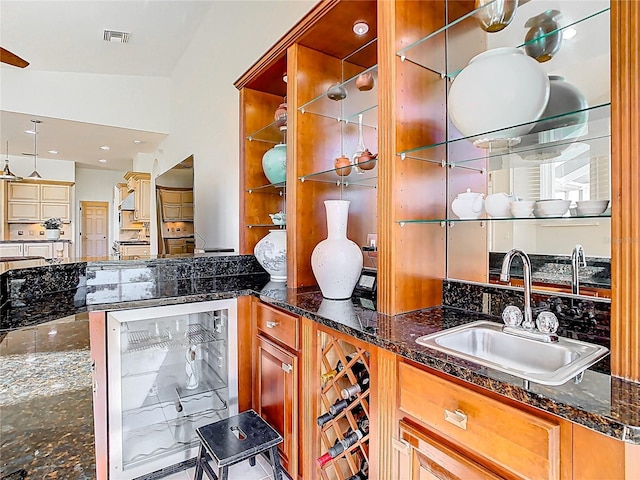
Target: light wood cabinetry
{"points": [[176, 246], [523, 444], [140, 184], [11, 250], [177, 205], [38, 250], [275, 377], [35, 202], [138, 251]]}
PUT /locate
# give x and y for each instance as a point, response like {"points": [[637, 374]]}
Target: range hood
{"points": [[128, 203]]}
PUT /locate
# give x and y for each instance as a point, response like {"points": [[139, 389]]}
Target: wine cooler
{"points": [[171, 369], [344, 405]]}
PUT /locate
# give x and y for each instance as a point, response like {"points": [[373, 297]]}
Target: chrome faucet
{"points": [[526, 269], [577, 259]]}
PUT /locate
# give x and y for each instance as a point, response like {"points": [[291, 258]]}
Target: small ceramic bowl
{"points": [[523, 208], [551, 208], [591, 207]]}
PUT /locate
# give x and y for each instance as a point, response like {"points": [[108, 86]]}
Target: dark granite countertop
{"points": [[601, 402]]}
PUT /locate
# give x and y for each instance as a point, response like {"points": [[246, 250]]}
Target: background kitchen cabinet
{"points": [[140, 184], [35, 202], [38, 250], [275, 377], [138, 251], [23, 192], [176, 246], [23, 212], [11, 250]]}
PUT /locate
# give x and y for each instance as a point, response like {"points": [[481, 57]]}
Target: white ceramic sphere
{"points": [[499, 90]]}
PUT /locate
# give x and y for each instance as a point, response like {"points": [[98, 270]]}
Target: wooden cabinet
{"points": [[35, 202], [275, 377], [38, 250], [522, 444], [423, 457], [176, 246], [138, 251], [140, 184], [177, 205], [10, 250]]}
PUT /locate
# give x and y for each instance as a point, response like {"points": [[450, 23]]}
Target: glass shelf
{"points": [[271, 188], [272, 133], [367, 178], [348, 109], [541, 221], [546, 145], [427, 53]]}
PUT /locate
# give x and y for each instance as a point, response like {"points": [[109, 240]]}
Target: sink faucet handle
{"points": [[512, 316], [547, 322]]}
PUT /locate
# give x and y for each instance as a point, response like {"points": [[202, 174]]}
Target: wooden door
{"points": [[422, 457], [276, 397], [95, 224]]}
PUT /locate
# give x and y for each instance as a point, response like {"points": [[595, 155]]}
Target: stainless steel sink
{"points": [[486, 344]]}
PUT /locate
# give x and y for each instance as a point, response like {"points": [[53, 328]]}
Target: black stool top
{"points": [[226, 448]]}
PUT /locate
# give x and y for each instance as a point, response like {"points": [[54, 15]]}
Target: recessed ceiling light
{"points": [[30, 132], [53, 152], [360, 28], [115, 36], [569, 33], [137, 142], [103, 160], [105, 147]]}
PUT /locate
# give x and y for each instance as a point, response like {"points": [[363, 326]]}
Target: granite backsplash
{"points": [[581, 318]]}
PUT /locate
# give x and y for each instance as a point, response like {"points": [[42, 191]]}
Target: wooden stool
{"points": [[235, 439]]}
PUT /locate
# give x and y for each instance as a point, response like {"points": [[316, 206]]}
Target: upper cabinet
{"points": [[37, 201], [140, 184]]}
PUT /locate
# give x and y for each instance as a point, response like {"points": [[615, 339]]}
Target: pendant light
{"points": [[6, 171], [35, 175]]}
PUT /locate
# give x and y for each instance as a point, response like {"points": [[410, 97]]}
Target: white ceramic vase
{"points": [[271, 253], [337, 261], [497, 92], [52, 233]]}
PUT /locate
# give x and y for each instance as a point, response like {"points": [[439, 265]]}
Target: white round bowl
{"points": [[551, 208], [591, 207], [522, 209], [500, 88]]}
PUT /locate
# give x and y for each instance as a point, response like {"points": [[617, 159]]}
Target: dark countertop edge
{"points": [[466, 371]]}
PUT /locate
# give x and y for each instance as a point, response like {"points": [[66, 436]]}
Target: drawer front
{"points": [[276, 324], [517, 441]]}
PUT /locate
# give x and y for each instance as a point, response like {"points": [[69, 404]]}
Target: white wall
{"points": [[59, 170], [205, 108], [141, 103]]}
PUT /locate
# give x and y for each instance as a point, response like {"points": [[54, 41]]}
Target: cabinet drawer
{"points": [[276, 324], [517, 441]]}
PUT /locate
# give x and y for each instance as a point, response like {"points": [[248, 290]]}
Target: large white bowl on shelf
{"points": [[551, 208], [499, 89], [591, 207]]}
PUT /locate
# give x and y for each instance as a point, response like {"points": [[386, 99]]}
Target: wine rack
{"points": [[353, 363]]}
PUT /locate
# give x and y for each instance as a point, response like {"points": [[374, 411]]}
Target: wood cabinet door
{"points": [[422, 457], [52, 210], [54, 193], [187, 211], [23, 211], [171, 213], [24, 192], [38, 250], [142, 200], [11, 250], [275, 397]]}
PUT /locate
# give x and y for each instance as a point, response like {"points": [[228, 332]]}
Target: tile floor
{"points": [[240, 471]]}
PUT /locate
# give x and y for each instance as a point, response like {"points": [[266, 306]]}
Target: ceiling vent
{"points": [[113, 36]]}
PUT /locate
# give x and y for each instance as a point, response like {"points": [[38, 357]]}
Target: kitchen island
{"points": [[600, 402]]}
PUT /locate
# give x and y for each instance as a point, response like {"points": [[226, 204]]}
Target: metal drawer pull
{"points": [[287, 368], [272, 324], [458, 418]]}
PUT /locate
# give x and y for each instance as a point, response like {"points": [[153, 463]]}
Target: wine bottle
{"points": [[362, 383], [325, 377], [340, 446], [334, 411]]}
